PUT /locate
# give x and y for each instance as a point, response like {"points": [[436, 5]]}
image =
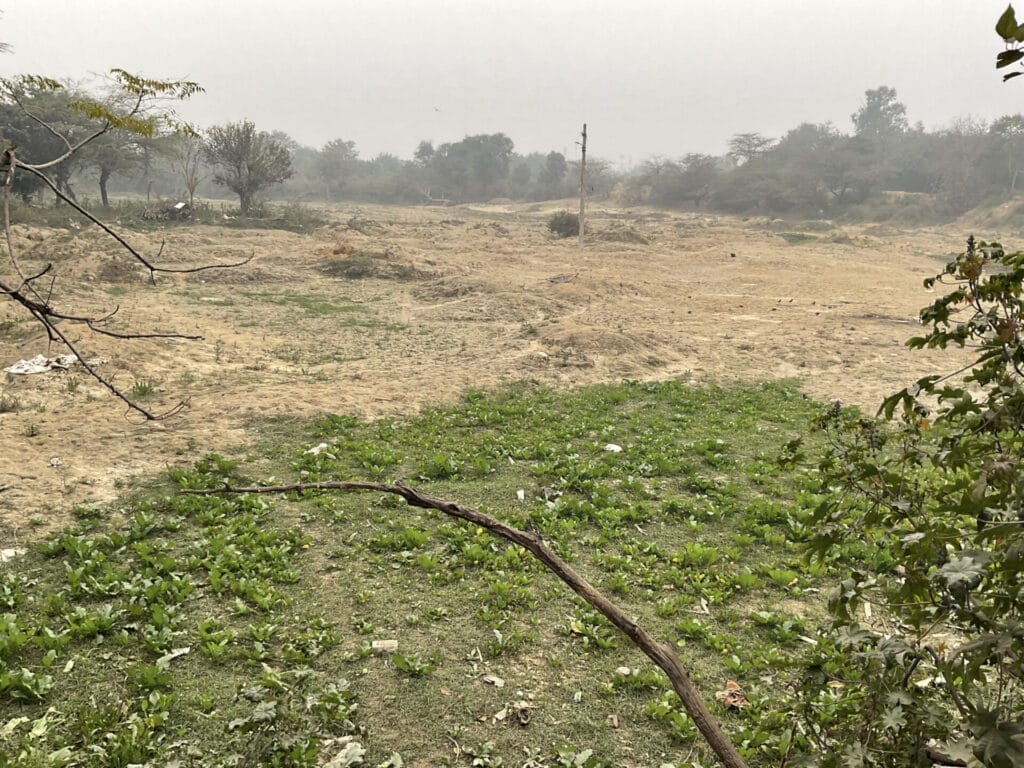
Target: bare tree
{"points": [[34, 292], [248, 161], [187, 162]]}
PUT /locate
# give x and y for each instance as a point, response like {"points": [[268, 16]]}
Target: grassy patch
{"points": [[225, 627], [796, 238], [314, 306]]}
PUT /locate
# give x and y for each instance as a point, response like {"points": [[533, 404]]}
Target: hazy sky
{"points": [[650, 77]]}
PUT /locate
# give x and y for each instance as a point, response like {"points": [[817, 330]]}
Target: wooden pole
{"points": [[583, 189]]}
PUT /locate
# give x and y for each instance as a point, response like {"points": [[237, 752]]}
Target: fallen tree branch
{"points": [[662, 654]]}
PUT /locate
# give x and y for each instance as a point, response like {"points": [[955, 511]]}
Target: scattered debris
{"points": [[521, 495], [56, 461], [316, 450], [613, 721], [42, 364], [10, 554], [624, 671], [522, 709], [164, 661], [384, 646], [613, 448], [494, 680], [733, 696], [167, 211]]}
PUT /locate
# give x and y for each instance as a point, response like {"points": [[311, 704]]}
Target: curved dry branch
{"points": [[662, 654]]}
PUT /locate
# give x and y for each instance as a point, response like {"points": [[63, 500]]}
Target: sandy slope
{"points": [[473, 296]]}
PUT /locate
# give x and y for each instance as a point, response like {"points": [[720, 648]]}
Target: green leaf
{"points": [[962, 570], [1006, 58], [1006, 27], [999, 744], [893, 719]]}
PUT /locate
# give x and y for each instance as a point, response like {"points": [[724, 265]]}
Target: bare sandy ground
{"points": [[456, 298]]}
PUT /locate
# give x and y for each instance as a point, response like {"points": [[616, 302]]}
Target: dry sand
{"points": [[458, 298]]}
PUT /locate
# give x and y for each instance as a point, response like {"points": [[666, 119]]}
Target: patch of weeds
{"points": [[623, 234], [380, 265], [142, 389], [568, 757], [796, 238], [564, 224], [591, 629], [687, 524], [414, 664], [667, 710], [315, 306]]}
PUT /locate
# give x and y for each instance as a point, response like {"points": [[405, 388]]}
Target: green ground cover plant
{"points": [[241, 630]]}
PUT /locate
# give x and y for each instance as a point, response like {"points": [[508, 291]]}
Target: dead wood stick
{"points": [[662, 654]]}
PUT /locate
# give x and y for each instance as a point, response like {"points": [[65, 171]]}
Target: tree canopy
{"points": [[247, 161]]}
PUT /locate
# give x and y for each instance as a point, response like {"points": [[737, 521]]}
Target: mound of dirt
{"points": [[381, 265]]}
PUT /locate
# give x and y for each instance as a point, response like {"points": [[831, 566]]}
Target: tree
{"points": [[186, 159], [337, 163], [114, 152], [424, 153], [29, 110], [1009, 133], [247, 161], [744, 147], [881, 115], [665, 182], [555, 169], [475, 168], [963, 182]]}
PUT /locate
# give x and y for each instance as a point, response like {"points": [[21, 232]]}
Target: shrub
{"points": [[564, 224], [926, 523]]}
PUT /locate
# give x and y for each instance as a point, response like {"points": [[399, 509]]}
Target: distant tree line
{"points": [[882, 166]]}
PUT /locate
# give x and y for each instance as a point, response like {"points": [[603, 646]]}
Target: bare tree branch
{"points": [[662, 654], [153, 269], [126, 108]]}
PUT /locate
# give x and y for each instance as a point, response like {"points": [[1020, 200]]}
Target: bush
{"points": [[564, 224], [927, 525]]}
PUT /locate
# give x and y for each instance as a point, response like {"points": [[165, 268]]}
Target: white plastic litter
{"points": [[41, 364], [316, 449], [10, 554], [613, 448]]}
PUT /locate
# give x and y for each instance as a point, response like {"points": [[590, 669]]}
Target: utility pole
{"points": [[583, 189]]}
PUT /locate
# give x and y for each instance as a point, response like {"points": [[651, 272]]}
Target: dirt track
{"points": [[473, 296]]}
